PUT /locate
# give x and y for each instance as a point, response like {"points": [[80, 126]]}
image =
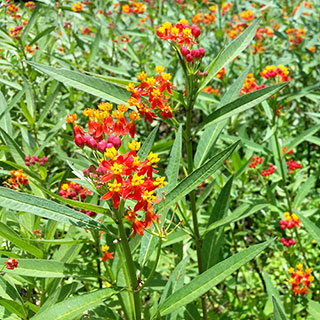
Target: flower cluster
{"points": [[181, 33], [107, 255], [129, 178], [29, 49], [295, 36], [30, 5], [15, 32], [290, 221], [35, 159], [288, 242], [134, 7], [211, 90], [300, 280], [268, 171], [293, 165], [11, 264], [281, 72], [221, 73], [247, 15], [18, 180], [73, 191], [255, 161], [250, 84], [153, 89], [77, 7], [207, 18]]}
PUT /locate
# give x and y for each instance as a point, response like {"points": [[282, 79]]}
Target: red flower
{"points": [[137, 224], [11, 264], [107, 255]]}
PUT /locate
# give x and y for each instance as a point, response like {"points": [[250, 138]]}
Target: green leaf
{"points": [[277, 310], [206, 142], [7, 233], [5, 123], [172, 171], [19, 201], [91, 85], [234, 90], [15, 151], [95, 46], [274, 296], [313, 230], [29, 26], [14, 307], [75, 306], [304, 189], [302, 137], [212, 240], [205, 281], [241, 104], [50, 269], [10, 290], [314, 309], [41, 34], [230, 52], [240, 213], [196, 177], [147, 144]]}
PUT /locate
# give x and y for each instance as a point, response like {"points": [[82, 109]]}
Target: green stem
{"points": [[133, 282], [197, 237]]}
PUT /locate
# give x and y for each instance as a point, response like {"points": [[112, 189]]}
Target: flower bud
{"points": [[195, 31], [116, 141], [92, 144], [102, 146], [201, 52], [79, 140], [189, 57], [102, 170], [27, 158], [184, 51]]}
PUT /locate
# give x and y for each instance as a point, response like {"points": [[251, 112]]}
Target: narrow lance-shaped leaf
{"points": [[243, 103], [211, 242], [19, 201], [74, 307], [230, 52], [91, 85], [314, 309], [313, 230], [303, 136], [173, 167], [196, 177], [50, 269], [147, 144], [304, 189], [274, 295], [205, 281], [277, 310], [7, 233]]}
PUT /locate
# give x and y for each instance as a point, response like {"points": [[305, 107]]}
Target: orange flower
{"points": [[107, 255], [300, 280]]}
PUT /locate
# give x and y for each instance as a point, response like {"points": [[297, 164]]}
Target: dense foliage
{"points": [[159, 159]]}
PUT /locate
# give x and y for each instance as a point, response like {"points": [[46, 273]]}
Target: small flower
{"points": [[107, 255], [290, 221], [11, 264]]}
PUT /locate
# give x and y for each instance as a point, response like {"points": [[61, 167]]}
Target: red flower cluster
{"points": [[154, 90], [288, 242], [246, 15], [300, 280], [18, 180], [129, 178], [221, 73], [272, 72], [293, 165], [290, 221], [250, 84], [269, 171], [73, 191], [284, 150], [15, 32], [11, 264], [193, 55], [35, 159], [30, 5], [255, 161], [295, 36], [181, 33]]}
